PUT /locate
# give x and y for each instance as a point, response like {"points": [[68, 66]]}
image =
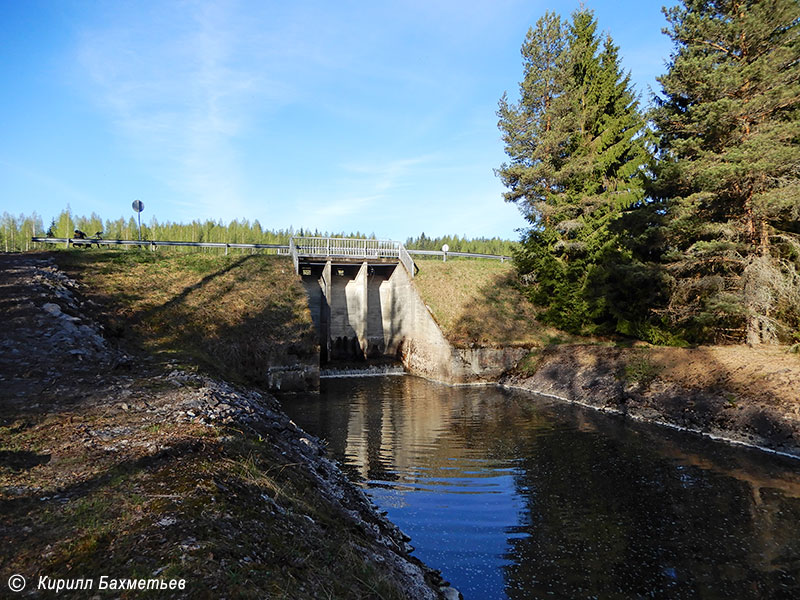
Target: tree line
{"points": [[16, 233], [676, 224], [455, 243]]}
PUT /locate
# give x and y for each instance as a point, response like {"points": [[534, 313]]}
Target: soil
{"points": [[743, 394], [113, 463]]}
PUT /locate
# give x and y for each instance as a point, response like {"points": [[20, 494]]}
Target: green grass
{"points": [[641, 369]]}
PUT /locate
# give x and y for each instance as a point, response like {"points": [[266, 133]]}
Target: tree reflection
{"points": [[601, 507]]}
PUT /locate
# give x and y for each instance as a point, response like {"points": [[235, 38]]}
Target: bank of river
{"points": [[736, 393], [517, 496], [119, 463]]}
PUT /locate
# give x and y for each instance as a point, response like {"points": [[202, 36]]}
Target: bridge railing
{"points": [[407, 261], [293, 254], [353, 248], [346, 247]]}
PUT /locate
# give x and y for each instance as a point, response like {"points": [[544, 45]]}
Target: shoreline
{"points": [[739, 411], [642, 419]]}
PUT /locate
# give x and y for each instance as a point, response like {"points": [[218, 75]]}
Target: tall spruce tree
{"points": [[729, 127], [576, 140]]}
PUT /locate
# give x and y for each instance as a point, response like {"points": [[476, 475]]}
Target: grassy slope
{"points": [[477, 301], [231, 508], [232, 315]]}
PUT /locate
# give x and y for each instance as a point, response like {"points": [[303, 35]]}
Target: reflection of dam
{"points": [[385, 436], [510, 492]]}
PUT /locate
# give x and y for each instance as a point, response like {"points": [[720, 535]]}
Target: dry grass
{"points": [[478, 302], [233, 315]]}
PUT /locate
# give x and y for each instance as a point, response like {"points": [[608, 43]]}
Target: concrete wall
{"points": [[371, 311], [423, 348]]}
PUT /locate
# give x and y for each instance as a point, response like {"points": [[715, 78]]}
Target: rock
{"points": [[53, 309], [450, 593]]}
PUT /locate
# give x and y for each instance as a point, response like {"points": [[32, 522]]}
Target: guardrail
{"points": [[306, 246], [153, 244], [445, 255]]}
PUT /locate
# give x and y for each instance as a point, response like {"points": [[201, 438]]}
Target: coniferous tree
{"points": [[576, 140], [729, 127]]}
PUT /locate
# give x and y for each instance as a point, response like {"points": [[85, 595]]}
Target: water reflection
{"points": [[518, 497]]}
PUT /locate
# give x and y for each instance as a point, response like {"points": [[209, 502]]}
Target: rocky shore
{"points": [[116, 464], [736, 393]]}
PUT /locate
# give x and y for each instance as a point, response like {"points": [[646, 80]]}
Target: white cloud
{"points": [[177, 86]]}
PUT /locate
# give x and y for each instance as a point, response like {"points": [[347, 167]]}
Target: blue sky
{"points": [[369, 116]]}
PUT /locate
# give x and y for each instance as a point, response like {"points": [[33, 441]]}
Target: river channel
{"points": [[516, 496]]}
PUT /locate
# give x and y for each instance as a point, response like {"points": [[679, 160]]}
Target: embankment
{"points": [[741, 394], [126, 454]]}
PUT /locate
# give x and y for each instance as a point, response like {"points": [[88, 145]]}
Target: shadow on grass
{"points": [[236, 321], [499, 315]]}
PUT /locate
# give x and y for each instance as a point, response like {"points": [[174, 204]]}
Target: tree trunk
{"points": [[753, 333]]}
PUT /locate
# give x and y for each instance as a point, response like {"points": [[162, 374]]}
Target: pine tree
{"points": [[729, 127], [577, 145]]}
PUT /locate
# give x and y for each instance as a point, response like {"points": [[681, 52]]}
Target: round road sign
{"points": [[138, 206]]}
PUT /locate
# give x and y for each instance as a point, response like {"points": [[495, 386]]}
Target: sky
{"points": [[377, 117]]}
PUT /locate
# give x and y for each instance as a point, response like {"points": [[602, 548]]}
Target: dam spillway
{"points": [[360, 309]]}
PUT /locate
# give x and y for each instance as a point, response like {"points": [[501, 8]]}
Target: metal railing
{"points": [[293, 254], [407, 261], [445, 255], [312, 247], [153, 244], [346, 247], [351, 248]]}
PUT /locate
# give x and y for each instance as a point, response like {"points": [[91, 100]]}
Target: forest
{"points": [[677, 224], [16, 233]]}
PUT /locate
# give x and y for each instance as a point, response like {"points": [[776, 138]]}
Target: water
{"points": [[515, 496]]}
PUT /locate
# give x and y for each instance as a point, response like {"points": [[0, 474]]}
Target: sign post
{"points": [[138, 206]]}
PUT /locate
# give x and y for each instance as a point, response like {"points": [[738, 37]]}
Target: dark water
{"points": [[515, 496]]}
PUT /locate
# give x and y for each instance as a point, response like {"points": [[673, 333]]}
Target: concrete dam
{"points": [[361, 311], [365, 306]]}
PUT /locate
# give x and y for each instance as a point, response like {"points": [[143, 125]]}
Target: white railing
{"points": [[346, 247], [352, 248], [293, 254], [407, 261]]}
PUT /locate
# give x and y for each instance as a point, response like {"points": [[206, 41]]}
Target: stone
{"points": [[53, 309]]}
